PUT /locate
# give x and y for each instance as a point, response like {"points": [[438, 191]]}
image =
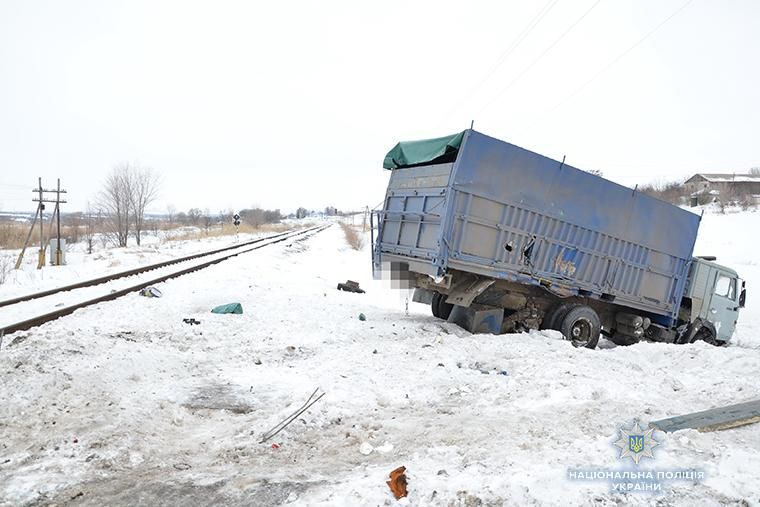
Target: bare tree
{"points": [[127, 191], [208, 220], [171, 213], [755, 171], [194, 215], [115, 199], [144, 190], [89, 228]]}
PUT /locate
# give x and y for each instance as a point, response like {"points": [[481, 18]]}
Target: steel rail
{"points": [[136, 271], [42, 319]]}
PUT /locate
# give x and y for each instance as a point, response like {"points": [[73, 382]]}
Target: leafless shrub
{"points": [[194, 216], [669, 191], [353, 238], [229, 231], [171, 213], [6, 264], [736, 196], [13, 234], [258, 216], [91, 221], [208, 220]]}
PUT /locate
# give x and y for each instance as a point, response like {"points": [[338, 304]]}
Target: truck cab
{"points": [[715, 294]]}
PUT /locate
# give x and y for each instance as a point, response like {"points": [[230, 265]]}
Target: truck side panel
{"points": [[519, 213]]}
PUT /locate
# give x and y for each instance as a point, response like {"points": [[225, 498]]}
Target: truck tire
{"points": [[581, 325], [553, 319], [434, 304], [444, 308], [706, 334]]}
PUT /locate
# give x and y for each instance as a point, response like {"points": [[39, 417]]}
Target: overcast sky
{"points": [[286, 104]]}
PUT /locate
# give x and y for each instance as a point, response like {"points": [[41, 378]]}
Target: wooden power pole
{"points": [[56, 214]]}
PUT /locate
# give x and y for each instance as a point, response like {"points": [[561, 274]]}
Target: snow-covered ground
{"points": [[104, 259], [124, 404]]}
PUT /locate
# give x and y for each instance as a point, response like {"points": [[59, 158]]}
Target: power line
{"points": [[620, 56], [505, 54], [540, 57]]}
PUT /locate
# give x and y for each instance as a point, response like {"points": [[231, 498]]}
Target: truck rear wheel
{"points": [[444, 308], [440, 307], [434, 304], [581, 325], [553, 319]]}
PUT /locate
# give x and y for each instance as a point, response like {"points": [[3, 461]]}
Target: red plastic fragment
{"points": [[398, 482]]}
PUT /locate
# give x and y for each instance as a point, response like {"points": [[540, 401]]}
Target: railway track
{"points": [[219, 255]]}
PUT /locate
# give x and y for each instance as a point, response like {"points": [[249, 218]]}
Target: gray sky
{"points": [[282, 104]]}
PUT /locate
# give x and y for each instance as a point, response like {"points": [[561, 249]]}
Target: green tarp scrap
{"points": [[228, 308], [411, 153]]}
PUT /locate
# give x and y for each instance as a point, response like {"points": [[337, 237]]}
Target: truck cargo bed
{"points": [[504, 212]]}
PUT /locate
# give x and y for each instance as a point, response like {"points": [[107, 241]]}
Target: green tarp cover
{"points": [[409, 153], [228, 308]]}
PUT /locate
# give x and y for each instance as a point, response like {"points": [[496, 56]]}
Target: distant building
{"points": [[716, 185]]}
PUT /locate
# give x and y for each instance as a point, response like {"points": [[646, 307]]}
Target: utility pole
{"points": [[28, 236], [41, 254], [58, 254], [57, 212]]}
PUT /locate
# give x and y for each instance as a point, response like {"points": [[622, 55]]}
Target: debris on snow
{"points": [[351, 286], [150, 292], [719, 418], [235, 308], [292, 417], [398, 482], [366, 448]]}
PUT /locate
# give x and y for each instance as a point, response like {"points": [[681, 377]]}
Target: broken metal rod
{"points": [[292, 417]]}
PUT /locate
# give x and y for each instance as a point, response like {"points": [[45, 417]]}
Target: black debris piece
{"points": [[351, 286]]}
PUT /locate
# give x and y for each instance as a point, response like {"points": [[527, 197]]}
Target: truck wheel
{"points": [[581, 325], [707, 335], [434, 304], [553, 319], [444, 308]]}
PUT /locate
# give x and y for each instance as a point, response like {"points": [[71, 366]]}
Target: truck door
{"points": [[724, 305]]}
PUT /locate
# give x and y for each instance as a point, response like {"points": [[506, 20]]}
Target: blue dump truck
{"points": [[499, 239]]}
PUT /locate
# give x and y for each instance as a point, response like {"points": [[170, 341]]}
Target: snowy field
{"points": [[124, 404]]}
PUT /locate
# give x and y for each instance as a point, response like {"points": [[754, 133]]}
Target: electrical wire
{"points": [[504, 55], [540, 57], [620, 56]]}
